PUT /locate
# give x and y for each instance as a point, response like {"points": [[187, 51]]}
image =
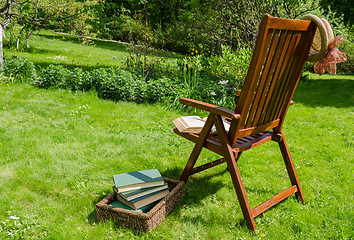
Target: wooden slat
{"points": [[276, 86], [273, 201], [255, 67], [292, 78], [282, 60], [289, 24], [270, 53], [302, 50], [275, 62], [286, 81], [258, 129], [260, 139], [207, 165]]}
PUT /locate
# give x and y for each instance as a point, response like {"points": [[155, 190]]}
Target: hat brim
{"points": [[322, 37]]}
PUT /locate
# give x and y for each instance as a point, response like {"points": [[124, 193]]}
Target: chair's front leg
{"points": [[235, 175], [197, 148]]}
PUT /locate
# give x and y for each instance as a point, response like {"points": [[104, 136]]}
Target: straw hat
{"points": [[323, 36]]}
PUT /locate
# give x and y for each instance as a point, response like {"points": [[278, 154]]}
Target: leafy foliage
{"points": [[147, 79], [20, 68]]}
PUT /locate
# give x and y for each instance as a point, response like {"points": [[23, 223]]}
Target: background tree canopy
{"points": [[174, 25], [205, 25]]}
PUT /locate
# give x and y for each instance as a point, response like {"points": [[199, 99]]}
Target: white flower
{"points": [[14, 218], [222, 82], [213, 93]]}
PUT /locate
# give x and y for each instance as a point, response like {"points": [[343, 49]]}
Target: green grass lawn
{"points": [[59, 150], [53, 48]]}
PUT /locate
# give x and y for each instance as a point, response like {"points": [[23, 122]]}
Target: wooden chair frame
{"points": [[280, 53]]}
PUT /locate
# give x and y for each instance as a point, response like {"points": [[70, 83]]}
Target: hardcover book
{"points": [[195, 124], [133, 194], [144, 209], [145, 200], [137, 180]]}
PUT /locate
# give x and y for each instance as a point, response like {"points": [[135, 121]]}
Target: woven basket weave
{"points": [[142, 222]]}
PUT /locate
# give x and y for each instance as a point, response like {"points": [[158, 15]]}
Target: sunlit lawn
{"points": [[54, 48], [59, 150]]}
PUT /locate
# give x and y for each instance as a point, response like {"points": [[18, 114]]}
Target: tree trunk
{"points": [[18, 38], [28, 37], [1, 47]]}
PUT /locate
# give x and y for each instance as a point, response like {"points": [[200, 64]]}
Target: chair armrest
{"points": [[210, 108]]}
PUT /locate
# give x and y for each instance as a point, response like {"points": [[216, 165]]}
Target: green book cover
{"points": [[132, 194], [144, 209], [137, 180]]}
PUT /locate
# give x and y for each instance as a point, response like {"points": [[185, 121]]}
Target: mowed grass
{"points": [[59, 150], [54, 48]]}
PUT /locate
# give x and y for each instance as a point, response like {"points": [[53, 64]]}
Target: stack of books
{"points": [[139, 191]]}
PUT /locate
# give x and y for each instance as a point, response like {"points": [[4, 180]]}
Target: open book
{"points": [[195, 124]]}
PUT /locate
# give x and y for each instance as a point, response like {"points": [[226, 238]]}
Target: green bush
{"points": [[20, 68], [157, 89], [231, 66], [208, 79], [115, 84], [53, 76], [347, 47], [78, 80]]}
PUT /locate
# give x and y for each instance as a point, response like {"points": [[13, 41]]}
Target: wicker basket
{"points": [[142, 222]]}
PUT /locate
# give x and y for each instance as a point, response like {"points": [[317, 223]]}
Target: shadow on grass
{"points": [[197, 189], [326, 92], [92, 217]]}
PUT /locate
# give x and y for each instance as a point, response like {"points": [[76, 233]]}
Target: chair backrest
{"points": [[280, 53]]}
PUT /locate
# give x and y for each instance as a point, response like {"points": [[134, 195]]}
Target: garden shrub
{"points": [[116, 84], [347, 47], [157, 89], [53, 76], [208, 79], [20, 68], [134, 30], [78, 80], [231, 66]]}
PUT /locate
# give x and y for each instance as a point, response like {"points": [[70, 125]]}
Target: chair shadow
{"points": [[326, 92], [200, 185], [197, 189]]}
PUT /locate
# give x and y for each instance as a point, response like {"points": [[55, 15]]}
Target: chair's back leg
{"points": [[237, 157], [290, 167]]}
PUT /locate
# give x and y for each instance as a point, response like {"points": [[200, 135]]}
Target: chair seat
{"points": [[213, 142]]}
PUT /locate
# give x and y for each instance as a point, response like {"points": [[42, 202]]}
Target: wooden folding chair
{"points": [[281, 50]]}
